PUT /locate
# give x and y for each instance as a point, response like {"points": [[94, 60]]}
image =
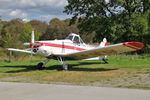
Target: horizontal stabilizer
{"points": [[103, 43]]}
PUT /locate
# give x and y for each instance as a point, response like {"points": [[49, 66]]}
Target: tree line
{"points": [[15, 32]]}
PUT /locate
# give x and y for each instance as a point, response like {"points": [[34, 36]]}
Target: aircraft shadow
{"points": [[92, 69], [72, 67], [26, 68]]}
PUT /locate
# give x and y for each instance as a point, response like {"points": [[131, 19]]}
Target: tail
{"points": [[103, 43]]}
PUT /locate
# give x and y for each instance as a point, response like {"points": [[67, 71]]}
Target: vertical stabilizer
{"points": [[103, 43]]}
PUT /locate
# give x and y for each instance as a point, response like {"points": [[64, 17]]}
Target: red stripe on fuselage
{"points": [[61, 46]]}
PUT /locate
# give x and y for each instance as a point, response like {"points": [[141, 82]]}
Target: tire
{"points": [[40, 66], [65, 66], [105, 61]]}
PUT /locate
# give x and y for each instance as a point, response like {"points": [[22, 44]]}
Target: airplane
{"points": [[73, 48]]}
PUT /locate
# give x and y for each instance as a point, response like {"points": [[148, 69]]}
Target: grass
{"points": [[122, 71]]}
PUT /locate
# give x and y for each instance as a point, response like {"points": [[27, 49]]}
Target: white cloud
{"points": [[25, 20], [32, 3], [26, 3], [51, 3], [50, 16], [30, 9], [18, 13], [14, 13]]}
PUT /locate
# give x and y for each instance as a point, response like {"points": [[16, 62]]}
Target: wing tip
{"points": [[134, 45]]}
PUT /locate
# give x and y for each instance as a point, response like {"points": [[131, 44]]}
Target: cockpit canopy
{"points": [[75, 38]]}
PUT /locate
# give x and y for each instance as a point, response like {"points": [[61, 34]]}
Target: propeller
{"points": [[32, 44]]}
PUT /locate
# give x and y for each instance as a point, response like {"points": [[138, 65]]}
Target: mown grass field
{"points": [[122, 71]]}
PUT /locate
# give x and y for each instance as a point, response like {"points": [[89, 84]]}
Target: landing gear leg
{"points": [[65, 66], [41, 65]]}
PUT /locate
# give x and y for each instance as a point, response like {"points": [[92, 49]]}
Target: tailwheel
{"points": [[40, 66], [65, 66], [105, 60]]}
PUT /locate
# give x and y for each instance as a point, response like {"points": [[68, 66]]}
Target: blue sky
{"points": [[43, 10]]}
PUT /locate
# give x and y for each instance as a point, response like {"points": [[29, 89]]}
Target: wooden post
{"points": [[31, 56], [10, 56]]}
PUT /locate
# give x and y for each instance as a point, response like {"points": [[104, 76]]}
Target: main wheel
{"points": [[40, 66], [65, 66]]}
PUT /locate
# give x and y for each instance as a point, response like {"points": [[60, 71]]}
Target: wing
{"points": [[20, 50], [107, 50]]}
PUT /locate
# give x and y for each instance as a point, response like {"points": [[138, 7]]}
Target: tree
{"points": [[59, 29], [1, 25], [39, 26], [117, 20], [26, 34], [10, 33]]}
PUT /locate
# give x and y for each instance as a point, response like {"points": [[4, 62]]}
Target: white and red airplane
{"points": [[73, 48]]}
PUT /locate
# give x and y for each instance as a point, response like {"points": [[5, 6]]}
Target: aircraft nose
{"points": [[44, 51]]}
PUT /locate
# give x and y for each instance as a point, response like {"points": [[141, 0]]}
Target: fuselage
{"points": [[55, 47]]}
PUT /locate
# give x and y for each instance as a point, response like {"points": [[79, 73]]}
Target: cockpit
{"points": [[75, 39]]}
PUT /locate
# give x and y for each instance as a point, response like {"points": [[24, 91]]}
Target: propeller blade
{"points": [[32, 41], [32, 37]]}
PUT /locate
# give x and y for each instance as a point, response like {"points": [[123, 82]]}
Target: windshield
{"points": [[81, 41], [76, 40], [69, 37]]}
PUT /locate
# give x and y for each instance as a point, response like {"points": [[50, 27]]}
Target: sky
{"points": [[43, 10]]}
